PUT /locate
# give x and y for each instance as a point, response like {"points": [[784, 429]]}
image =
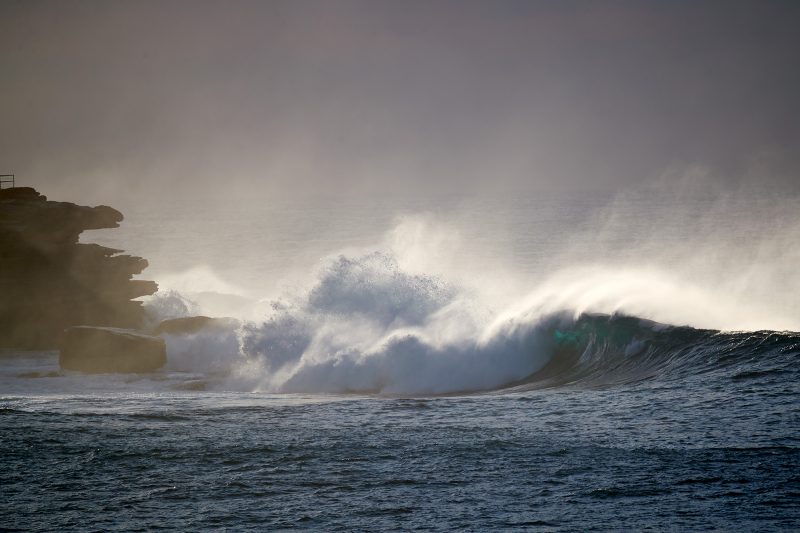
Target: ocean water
{"points": [[547, 363]]}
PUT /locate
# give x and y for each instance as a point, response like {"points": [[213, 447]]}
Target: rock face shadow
{"points": [[49, 281], [97, 350]]}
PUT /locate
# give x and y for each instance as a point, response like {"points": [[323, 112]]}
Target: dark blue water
{"points": [[697, 430]]}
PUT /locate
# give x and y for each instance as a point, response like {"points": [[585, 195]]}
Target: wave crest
{"points": [[367, 326]]}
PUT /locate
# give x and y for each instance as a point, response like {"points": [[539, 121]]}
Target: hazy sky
{"points": [[174, 99]]}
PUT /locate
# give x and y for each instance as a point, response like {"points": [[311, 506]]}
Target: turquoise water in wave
{"points": [[421, 387]]}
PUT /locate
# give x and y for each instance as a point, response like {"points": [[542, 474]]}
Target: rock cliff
{"points": [[49, 281]]}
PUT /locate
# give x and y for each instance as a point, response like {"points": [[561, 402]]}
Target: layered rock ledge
{"points": [[49, 281], [104, 350]]}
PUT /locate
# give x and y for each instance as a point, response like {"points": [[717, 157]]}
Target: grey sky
{"points": [[139, 99]]}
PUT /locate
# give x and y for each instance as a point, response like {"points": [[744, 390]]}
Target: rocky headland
{"points": [[49, 281]]}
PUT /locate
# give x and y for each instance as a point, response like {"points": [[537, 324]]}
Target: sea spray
{"points": [[365, 326], [424, 310]]}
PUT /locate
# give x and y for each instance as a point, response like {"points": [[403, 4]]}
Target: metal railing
{"points": [[4, 179]]}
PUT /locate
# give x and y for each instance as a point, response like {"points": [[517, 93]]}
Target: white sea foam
{"points": [[424, 310]]}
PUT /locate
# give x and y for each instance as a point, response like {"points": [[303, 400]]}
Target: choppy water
{"points": [[405, 383], [715, 450]]}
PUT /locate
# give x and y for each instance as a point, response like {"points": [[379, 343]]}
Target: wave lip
{"points": [[608, 350]]}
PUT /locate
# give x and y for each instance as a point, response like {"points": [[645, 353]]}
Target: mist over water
{"points": [[400, 296]]}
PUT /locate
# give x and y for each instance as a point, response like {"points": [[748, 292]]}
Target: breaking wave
{"points": [[367, 325]]}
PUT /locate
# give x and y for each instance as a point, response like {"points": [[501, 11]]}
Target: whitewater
{"points": [[453, 363]]}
